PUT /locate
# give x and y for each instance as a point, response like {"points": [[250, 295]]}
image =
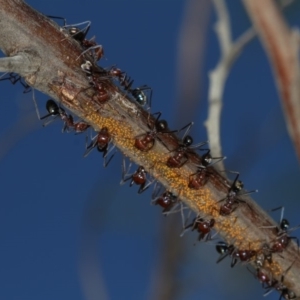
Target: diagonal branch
{"points": [[60, 76]]}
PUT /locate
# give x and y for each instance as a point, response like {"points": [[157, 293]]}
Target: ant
{"points": [[263, 278], [80, 36], [167, 201], [139, 177], [101, 95], [101, 141], [283, 239], [183, 150], [229, 250], [57, 111], [285, 293], [231, 201], [73, 29], [145, 141], [126, 82], [203, 226], [14, 78], [200, 178]]}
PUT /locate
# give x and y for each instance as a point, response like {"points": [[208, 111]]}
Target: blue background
{"points": [[69, 231]]}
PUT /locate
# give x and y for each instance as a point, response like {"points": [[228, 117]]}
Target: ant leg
{"points": [[281, 212], [85, 30], [58, 18], [198, 145], [157, 192], [89, 49], [125, 175], [49, 121], [188, 128], [222, 257], [36, 107], [91, 146], [144, 187], [2, 77], [107, 161]]}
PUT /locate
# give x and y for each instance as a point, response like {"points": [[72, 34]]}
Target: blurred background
{"points": [[68, 230]]}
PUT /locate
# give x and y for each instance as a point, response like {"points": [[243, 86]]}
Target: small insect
{"points": [[96, 82], [145, 141], [167, 201], [101, 141], [200, 178], [56, 111], [279, 286], [203, 226], [126, 82], [262, 277], [231, 200], [183, 150], [236, 255], [283, 239], [139, 177]]}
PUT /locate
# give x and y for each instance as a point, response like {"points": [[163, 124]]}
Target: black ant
{"points": [[231, 200], [229, 250], [139, 177], [145, 141], [57, 111], [200, 178], [283, 239], [14, 78], [183, 150], [137, 93], [101, 141], [203, 226]]}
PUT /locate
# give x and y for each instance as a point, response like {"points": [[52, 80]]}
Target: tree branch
{"points": [[59, 75], [282, 47]]}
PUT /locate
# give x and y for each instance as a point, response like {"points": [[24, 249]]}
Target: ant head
{"points": [[161, 125], [141, 169], [115, 72], [77, 34], [222, 247], [139, 96], [206, 159], [237, 186], [187, 141], [284, 224], [52, 107]]}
